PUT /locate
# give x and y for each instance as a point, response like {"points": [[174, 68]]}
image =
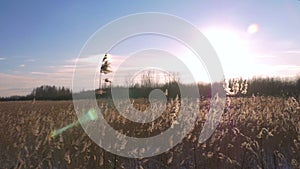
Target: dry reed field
{"points": [[255, 133]]}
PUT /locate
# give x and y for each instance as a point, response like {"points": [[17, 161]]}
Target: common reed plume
{"points": [[104, 69]]}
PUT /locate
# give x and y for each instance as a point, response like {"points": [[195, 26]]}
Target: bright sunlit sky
{"points": [[40, 41]]}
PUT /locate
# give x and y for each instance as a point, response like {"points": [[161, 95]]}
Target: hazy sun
{"points": [[232, 50]]}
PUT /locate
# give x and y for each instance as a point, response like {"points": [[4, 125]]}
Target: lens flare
{"points": [[91, 115], [253, 28]]}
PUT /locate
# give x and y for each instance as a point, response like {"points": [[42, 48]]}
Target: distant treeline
{"points": [[274, 87], [44, 92], [256, 86]]}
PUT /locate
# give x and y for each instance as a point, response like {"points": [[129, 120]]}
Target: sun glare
{"points": [[232, 51]]}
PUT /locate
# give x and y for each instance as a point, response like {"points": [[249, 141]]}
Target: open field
{"points": [[256, 132]]}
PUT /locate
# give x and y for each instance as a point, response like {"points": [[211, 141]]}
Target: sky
{"points": [[40, 41]]}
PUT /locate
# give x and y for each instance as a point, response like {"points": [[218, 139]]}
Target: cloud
{"points": [[279, 70], [91, 58], [30, 60], [51, 67], [40, 73], [1, 58], [23, 84], [22, 65], [16, 84], [87, 70], [292, 52]]}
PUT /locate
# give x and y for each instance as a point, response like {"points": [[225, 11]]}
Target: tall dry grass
{"points": [[256, 132]]}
